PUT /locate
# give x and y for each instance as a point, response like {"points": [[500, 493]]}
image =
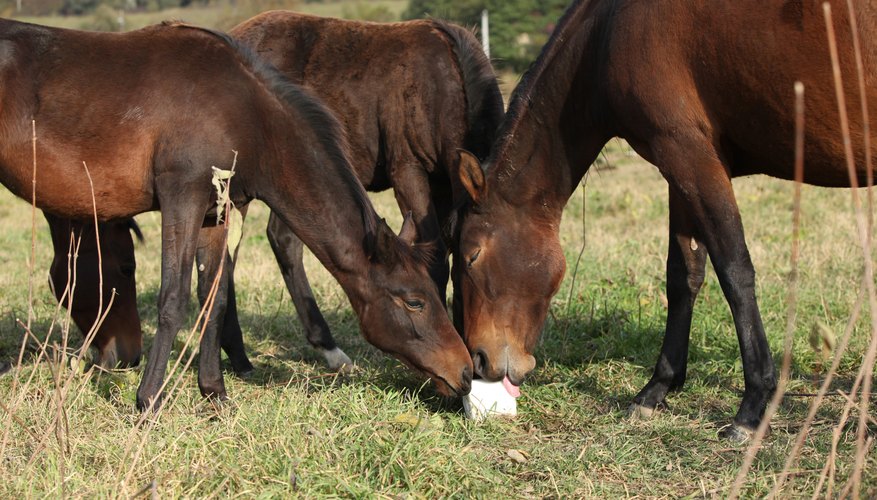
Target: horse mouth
{"points": [[445, 388], [442, 385]]}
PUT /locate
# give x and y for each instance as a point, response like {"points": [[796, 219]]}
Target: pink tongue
{"points": [[513, 390]]}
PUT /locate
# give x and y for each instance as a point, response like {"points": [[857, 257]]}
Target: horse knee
{"points": [[695, 282], [739, 284]]}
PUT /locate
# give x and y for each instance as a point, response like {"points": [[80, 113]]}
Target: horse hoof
{"points": [[218, 401], [737, 433], [639, 412], [145, 404], [338, 361], [244, 373]]}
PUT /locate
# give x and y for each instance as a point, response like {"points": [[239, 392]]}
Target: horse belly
{"points": [[77, 183]]}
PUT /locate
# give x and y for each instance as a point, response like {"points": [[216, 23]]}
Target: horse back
{"points": [[398, 88], [121, 105], [726, 71]]}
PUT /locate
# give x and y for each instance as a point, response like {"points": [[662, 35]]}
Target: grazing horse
{"points": [[75, 281], [702, 90], [446, 79], [410, 95], [143, 116]]}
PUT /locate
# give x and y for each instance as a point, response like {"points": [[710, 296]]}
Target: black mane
{"points": [[522, 95]]}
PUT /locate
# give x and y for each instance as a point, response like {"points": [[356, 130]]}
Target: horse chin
{"points": [[441, 385]]}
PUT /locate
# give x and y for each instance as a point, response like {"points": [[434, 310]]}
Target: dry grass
{"points": [[294, 428]]}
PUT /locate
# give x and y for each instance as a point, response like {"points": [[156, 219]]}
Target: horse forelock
{"points": [[396, 251], [312, 110]]}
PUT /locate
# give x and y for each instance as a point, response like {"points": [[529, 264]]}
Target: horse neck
{"points": [[317, 195], [553, 130]]}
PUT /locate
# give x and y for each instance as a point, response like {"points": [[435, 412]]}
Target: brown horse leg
{"points": [[232, 337], [211, 240], [211, 250], [686, 261], [288, 250], [179, 237], [443, 200], [413, 194], [695, 170]]}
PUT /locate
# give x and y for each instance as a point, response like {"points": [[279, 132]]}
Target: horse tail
{"points": [[484, 100], [135, 228]]}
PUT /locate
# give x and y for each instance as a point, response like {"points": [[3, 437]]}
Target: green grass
{"points": [[294, 429]]}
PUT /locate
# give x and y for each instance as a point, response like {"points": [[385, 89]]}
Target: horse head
{"points": [[401, 314], [509, 267]]}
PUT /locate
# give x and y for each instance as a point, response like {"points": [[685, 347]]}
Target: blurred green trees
{"points": [[518, 28]]}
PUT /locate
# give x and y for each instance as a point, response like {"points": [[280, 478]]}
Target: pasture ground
{"points": [[293, 428]]}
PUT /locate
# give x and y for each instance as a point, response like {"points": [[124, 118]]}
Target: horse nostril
{"points": [[466, 376], [479, 360]]}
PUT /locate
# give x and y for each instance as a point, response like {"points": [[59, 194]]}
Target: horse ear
{"points": [[408, 233], [471, 176]]}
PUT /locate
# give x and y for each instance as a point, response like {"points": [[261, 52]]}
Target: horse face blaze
{"points": [[508, 274]]}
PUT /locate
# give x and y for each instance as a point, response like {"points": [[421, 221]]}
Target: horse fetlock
{"points": [[677, 383]]}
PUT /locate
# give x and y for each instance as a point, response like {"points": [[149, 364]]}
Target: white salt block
{"points": [[491, 398]]}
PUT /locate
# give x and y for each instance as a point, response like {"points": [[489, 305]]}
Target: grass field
{"points": [[293, 428]]}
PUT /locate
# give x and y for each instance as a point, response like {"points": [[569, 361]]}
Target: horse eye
{"points": [[473, 258], [414, 304], [127, 270]]}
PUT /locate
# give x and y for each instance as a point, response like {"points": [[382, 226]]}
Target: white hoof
{"points": [[337, 360], [639, 412]]}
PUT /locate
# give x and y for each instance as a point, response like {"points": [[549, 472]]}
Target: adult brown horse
{"points": [[410, 95], [151, 112], [704, 91], [75, 277]]}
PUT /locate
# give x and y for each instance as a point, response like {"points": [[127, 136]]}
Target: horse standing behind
{"points": [[702, 90], [410, 95]]}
